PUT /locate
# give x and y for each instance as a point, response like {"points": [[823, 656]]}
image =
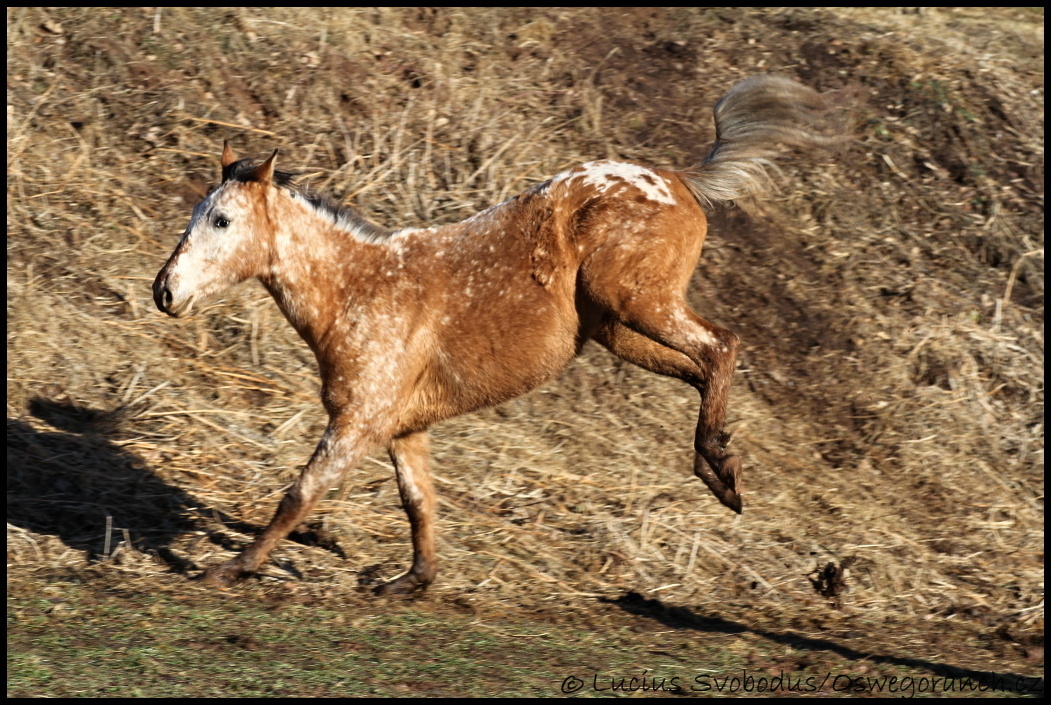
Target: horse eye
{"points": [[221, 222]]}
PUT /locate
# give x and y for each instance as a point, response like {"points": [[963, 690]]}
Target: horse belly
{"points": [[497, 351]]}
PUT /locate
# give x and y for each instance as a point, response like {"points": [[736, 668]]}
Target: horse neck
{"points": [[317, 268]]}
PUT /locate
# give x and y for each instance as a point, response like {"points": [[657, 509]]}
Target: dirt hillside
{"points": [[889, 398]]}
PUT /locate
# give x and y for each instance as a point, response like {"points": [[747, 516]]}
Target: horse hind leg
{"points": [[670, 340]]}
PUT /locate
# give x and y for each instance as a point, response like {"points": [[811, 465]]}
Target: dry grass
{"points": [[890, 400]]}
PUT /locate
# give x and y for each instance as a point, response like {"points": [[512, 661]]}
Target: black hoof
{"points": [[723, 477], [404, 586], [223, 575]]}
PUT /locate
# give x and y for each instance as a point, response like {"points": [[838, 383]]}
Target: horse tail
{"points": [[757, 120]]}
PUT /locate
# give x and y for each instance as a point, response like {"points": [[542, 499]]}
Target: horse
{"points": [[413, 326]]}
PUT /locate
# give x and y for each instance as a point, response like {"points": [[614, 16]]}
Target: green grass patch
{"points": [[75, 643]]}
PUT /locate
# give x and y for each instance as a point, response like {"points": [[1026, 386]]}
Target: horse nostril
{"points": [[162, 296]]}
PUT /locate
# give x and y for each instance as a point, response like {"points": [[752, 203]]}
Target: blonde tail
{"points": [[755, 121]]}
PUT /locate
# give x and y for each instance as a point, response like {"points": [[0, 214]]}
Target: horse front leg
{"points": [[340, 449], [411, 457]]}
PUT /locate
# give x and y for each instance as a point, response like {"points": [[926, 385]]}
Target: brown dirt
{"points": [[889, 403]]}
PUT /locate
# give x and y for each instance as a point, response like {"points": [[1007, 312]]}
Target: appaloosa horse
{"points": [[413, 326]]}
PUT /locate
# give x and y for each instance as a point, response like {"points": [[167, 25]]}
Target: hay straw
{"points": [[890, 399]]}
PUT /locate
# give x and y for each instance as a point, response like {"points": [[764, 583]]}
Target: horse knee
{"points": [[726, 342]]}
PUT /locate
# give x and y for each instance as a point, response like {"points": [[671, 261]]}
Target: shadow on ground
{"points": [[81, 486], [682, 618]]}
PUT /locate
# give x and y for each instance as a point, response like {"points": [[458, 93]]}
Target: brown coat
{"points": [[418, 325]]}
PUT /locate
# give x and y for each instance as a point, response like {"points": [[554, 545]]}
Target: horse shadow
{"points": [[81, 486], [681, 618]]}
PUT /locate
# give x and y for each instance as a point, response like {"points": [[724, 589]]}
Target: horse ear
{"points": [[265, 171], [227, 159]]}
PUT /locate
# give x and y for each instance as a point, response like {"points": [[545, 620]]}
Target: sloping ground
{"points": [[889, 403]]}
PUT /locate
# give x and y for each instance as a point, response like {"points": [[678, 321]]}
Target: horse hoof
{"points": [[223, 575], [400, 587], [729, 471], [723, 477]]}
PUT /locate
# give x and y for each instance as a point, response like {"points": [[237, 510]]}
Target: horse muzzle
{"points": [[165, 299]]}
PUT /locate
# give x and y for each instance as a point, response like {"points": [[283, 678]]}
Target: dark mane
{"points": [[243, 170], [343, 216]]}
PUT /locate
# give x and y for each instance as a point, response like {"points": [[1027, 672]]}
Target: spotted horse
{"points": [[413, 326]]}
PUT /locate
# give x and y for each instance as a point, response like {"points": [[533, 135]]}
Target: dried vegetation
{"points": [[889, 403]]}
